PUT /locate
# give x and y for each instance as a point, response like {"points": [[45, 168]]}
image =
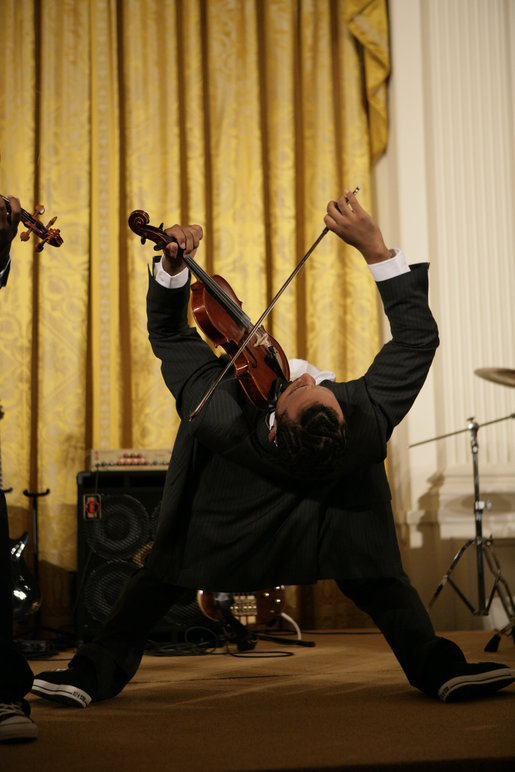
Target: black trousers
{"points": [[15, 674], [397, 610], [114, 656]]}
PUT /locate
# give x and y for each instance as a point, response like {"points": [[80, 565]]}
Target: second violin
{"points": [[46, 233]]}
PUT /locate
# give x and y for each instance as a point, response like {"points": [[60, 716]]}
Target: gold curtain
{"points": [[246, 116]]}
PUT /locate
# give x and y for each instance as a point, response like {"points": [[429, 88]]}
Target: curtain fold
{"points": [[242, 115], [367, 20]]}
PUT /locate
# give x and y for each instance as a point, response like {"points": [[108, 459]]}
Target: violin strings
{"points": [[232, 307]]}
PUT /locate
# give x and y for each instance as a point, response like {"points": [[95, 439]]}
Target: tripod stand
{"points": [[485, 554]]}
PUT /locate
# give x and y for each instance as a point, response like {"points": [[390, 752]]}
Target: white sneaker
{"points": [[471, 680], [69, 686]]}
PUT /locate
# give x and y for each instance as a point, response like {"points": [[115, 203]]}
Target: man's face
{"points": [[300, 395]]}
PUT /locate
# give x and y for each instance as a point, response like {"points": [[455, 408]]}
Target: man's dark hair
{"points": [[315, 443]]}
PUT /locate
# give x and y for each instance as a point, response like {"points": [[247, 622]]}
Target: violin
{"points": [[218, 312], [273, 363], [46, 233]]}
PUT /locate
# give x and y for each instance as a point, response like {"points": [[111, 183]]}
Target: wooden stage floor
{"points": [[343, 704]]}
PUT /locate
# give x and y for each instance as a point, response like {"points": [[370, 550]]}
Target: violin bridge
{"points": [[261, 338]]}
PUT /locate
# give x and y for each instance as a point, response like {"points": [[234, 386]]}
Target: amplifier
{"points": [[117, 519], [127, 458]]}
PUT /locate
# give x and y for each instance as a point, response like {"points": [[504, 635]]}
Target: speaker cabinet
{"points": [[117, 516], [117, 521]]}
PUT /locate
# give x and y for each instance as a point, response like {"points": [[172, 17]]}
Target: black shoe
{"points": [[15, 722], [469, 681], [69, 687]]}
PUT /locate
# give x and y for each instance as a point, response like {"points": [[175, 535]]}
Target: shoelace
{"points": [[12, 708]]}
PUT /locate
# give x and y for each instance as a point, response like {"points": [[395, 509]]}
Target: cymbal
{"points": [[497, 375]]}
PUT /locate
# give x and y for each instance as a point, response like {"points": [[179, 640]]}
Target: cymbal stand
{"points": [[484, 552]]}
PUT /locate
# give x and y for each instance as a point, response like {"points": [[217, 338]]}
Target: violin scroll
{"points": [[138, 220], [139, 224]]}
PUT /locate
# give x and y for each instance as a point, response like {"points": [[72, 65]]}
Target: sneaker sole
{"points": [[474, 686], [18, 730], [63, 693]]}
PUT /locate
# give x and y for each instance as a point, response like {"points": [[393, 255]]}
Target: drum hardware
{"points": [[484, 548]]}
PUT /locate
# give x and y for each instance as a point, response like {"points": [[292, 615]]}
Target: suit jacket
{"points": [[233, 517]]}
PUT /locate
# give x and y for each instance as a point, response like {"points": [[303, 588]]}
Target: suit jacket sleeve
{"points": [[399, 370], [189, 367]]}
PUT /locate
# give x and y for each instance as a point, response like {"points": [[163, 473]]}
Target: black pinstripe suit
{"points": [[233, 518]]}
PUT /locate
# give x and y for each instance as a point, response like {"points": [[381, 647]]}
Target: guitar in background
{"points": [[237, 611], [262, 607], [26, 592]]}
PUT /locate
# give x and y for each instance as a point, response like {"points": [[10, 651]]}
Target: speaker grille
{"points": [[115, 543], [122, 529], [104, 585], [113, 538]]}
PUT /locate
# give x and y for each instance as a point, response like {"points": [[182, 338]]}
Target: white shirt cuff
{"points": [[170, 282], [387, 269]]}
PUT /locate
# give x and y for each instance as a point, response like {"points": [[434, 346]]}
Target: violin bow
{"points": [[207, 396]]}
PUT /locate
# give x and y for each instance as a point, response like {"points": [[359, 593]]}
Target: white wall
{"points": [[445, 192]]}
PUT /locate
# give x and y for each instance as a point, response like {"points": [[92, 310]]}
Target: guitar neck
{"points": [[4, 490]]}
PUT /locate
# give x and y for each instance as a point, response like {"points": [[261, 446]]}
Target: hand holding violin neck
{"points": [[182, 240], [173, 262]]}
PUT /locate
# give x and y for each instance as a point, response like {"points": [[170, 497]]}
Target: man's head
{"points": [[309, 428]]}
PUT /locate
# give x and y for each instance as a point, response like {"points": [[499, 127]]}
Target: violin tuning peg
{"points": [[52, 221], [143, 239], [25, 235], [161, 226]]}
